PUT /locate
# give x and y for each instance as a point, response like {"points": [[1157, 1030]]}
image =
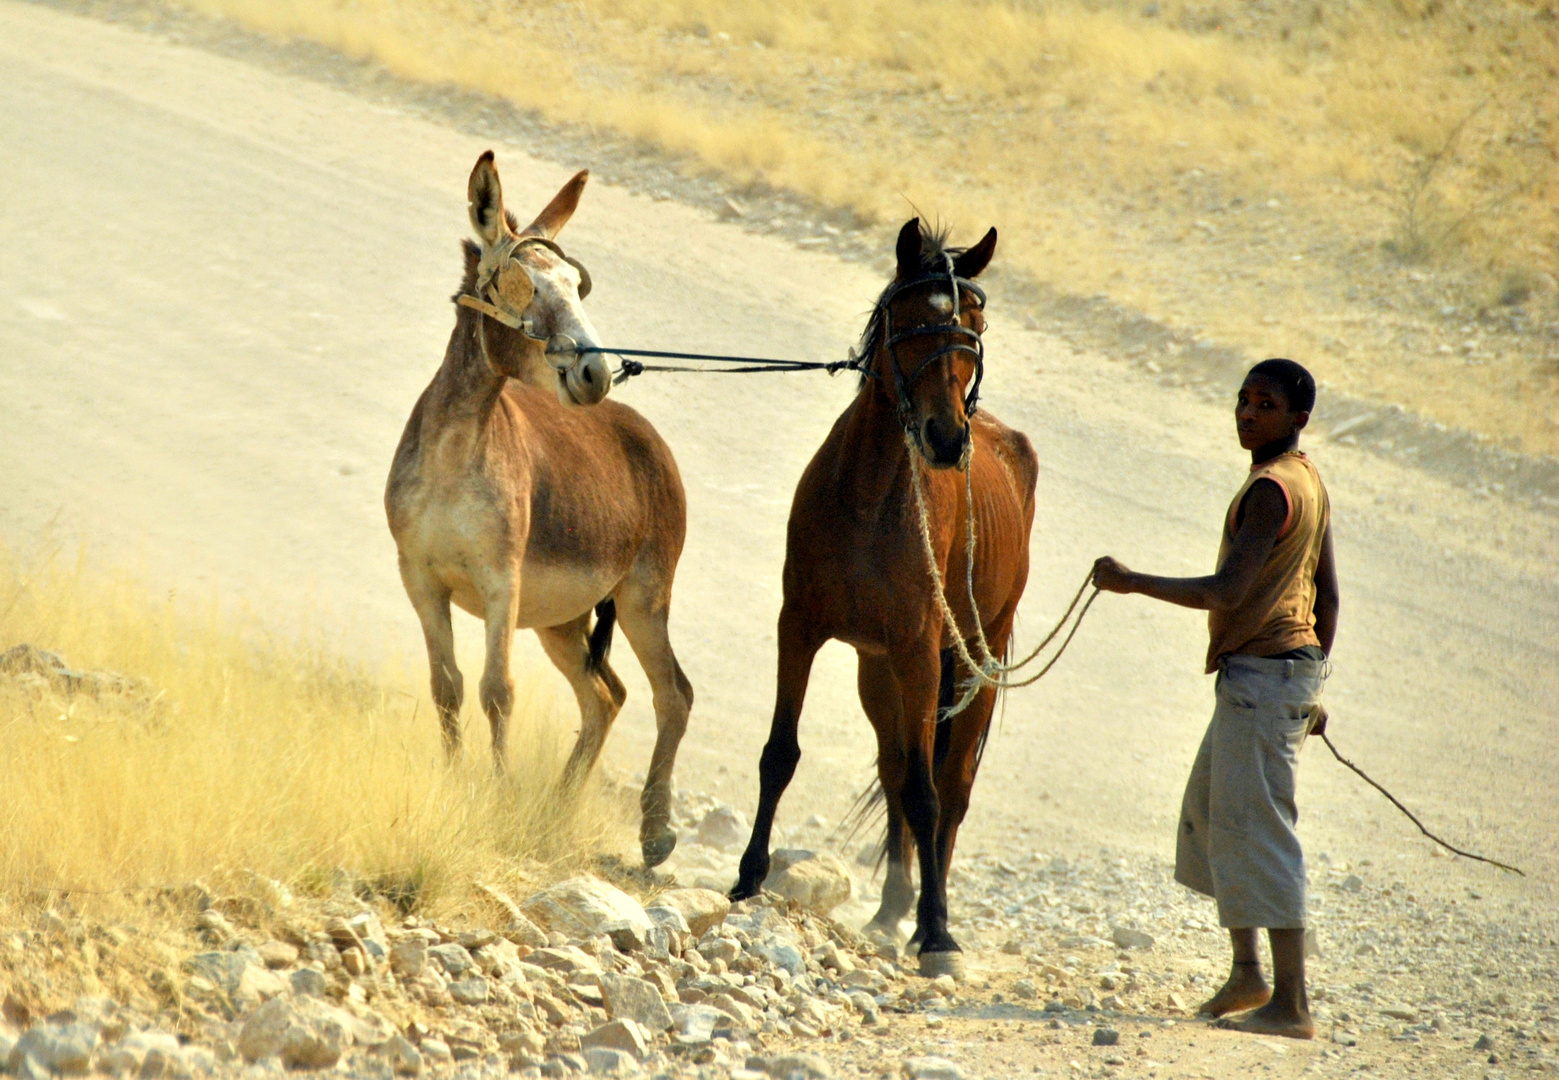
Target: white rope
{"points": [[986, 671]]}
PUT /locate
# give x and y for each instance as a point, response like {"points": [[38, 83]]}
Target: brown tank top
{"points": [[1279, 612]]}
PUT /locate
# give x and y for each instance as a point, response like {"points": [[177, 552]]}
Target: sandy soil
{"points": [[224, 288]]}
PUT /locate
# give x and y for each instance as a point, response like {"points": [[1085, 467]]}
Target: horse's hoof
{"points": [[951, 963], [657, 849]]}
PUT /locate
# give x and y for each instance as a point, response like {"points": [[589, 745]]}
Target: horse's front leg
{"points": [[497, 689], [798, 645], [917, 670]]}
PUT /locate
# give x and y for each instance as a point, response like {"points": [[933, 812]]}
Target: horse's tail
{"points": [[872, 803], [601, 633]]}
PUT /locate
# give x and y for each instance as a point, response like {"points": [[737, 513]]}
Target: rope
{"points": [[987, 671], [1410, 815], [750, 364]]}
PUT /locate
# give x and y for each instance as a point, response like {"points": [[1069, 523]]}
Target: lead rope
{"points": [[986, 671]]}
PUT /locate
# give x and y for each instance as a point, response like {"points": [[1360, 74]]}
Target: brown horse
{"points": [[856, 570], [521, 495]]}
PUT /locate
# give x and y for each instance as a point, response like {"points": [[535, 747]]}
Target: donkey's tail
{"points": [[601, 633]]}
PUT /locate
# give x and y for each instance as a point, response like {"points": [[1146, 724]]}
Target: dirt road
{"points": [[223, 289]]}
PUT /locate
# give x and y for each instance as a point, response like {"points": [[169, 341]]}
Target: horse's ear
{"points": [[977, 258], [550, 221], [908, 248], [485, 195]]}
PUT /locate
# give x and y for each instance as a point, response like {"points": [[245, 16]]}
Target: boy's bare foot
{"points": [[1246, 989], [1273, 1019]]}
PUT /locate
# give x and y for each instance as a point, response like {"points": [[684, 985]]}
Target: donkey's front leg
{"points": [[431, 600], [497, 683]]}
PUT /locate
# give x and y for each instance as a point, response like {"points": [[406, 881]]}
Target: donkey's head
{"points": [[924, 340], [522, 278]]}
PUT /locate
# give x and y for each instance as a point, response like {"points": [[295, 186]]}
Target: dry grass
{"points": [[1260, 175], [245, 756]]}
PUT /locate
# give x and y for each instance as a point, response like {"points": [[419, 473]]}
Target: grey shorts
{"points": [[1236, 841]]}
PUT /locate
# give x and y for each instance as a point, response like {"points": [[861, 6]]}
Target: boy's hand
{"points": [[1317, 720], [1111, 576]]}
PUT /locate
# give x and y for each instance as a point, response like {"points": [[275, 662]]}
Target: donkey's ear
{"points": [[908, 248], [550, 221], [485, 195], [977, 258]]}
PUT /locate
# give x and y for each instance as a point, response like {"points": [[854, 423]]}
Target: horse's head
{"points": [[924, 340], [523, 280]]}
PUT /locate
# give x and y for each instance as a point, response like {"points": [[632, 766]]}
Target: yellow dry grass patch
{"points": [[243, 755], [1103, 142]]}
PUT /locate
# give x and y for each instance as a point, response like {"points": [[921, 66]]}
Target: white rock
{"points": [[302, 1032], [811, 1066], [932, 1068], [131, 1051], [470, 991], [306, 982], [817, 880], [635, 999], [404, 1058], [582, 906], [408, 957], [702, 908], [623, 1034], [725, 828], [609, 1062], [1127, 938]]}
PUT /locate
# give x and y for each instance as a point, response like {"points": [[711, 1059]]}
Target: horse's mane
{"points": [[934, 251]]}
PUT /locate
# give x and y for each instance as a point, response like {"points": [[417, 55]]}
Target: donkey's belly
{"points": [[554, 593]]}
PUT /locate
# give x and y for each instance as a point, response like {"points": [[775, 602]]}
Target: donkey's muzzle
{"points": [[589, 379]]}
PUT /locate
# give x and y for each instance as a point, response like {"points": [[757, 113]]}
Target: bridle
{"points": [[495, 286], [965, 339]]}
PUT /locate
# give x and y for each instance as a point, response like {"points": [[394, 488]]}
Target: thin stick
{"points": [[1410, 814]]}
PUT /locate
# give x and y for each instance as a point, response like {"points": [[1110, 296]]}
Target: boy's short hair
{"points": [[1297, 383]]}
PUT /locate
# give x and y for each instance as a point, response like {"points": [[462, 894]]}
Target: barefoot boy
{"points": [[1272, 615]]}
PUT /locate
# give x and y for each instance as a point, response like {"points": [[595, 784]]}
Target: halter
{"points": [[490, 284], [952, 328]]}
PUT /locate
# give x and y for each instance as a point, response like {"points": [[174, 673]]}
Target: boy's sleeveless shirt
{"points": [[1278, 614]]}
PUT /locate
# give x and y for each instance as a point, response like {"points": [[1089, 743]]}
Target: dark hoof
{"points": [[657, 849], [933, 964]]}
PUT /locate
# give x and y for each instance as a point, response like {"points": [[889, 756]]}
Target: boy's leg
{"points": [[1245, 988], [1288, 1013]]}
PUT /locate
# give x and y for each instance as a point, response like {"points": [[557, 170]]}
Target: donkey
{"points": [[856, 570], [522, 495]]}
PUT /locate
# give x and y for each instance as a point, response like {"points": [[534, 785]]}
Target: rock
{"points": [[409, 956], [626, 937], [1352, 883], [470, 991], [817, 880], [1312, 942], [1483, 1043], [695, 1024], [162, 1062], [582, 906], [480, 938], [864, 1004], [1025, 989], [565, 958], [736, 1010], [454, 959], [786, 1066], [718, 948], [302, 1032], [56, 1048], [1106, 1037], [437, 1052], [128, 1056], [725, 828], [278, 954], [623, 1034], [1127, 938], [523, 931], [1401, 1012], [1175, 1001], [404, 1058], [628, 998], [237, 976], [306, 982], [931, 1068], [703, 909], [609, 1062]]}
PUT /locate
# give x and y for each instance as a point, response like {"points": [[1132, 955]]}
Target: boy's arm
{"points": [[1265, 509], [1327, 598]]}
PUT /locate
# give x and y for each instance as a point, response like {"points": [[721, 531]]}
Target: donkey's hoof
{"points": [[951, 963], [657, 849]]}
